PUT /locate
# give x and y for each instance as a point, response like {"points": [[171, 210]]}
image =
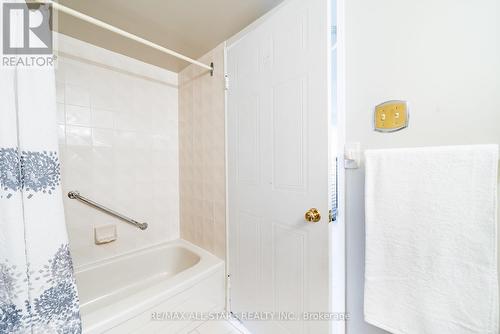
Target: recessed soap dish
{"points": [[104, 234]]}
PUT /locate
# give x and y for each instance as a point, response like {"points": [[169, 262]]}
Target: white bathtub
{"points": [[119, 295]]}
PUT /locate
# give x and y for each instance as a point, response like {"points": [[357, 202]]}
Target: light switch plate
{"points": [[391, 116]]}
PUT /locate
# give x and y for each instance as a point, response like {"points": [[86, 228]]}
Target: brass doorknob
{"points": [[312, 215]]}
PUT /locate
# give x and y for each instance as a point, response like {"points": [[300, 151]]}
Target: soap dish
{"points": [[104, 234]]}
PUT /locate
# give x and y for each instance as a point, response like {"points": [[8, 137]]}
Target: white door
{"points": [[278, 123]]}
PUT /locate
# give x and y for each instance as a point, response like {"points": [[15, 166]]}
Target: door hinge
{"points": [[332, 215], [226, 81]]}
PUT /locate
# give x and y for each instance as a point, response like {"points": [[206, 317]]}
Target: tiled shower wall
{"points": [[202, 156], [118, 132]]}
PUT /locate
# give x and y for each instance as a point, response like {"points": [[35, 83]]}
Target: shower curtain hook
{"points": [[212, 70]]}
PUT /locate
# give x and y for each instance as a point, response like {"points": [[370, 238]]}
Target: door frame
{"points": [[338, 269], [337, 230]]}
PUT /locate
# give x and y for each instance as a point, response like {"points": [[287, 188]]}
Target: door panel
{"points": [[278, 122], [288, 134]]}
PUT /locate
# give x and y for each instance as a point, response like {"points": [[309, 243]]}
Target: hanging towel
{"points": [[431, 240]]}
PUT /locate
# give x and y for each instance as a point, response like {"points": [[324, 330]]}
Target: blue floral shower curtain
{"points": [[37, 288]]}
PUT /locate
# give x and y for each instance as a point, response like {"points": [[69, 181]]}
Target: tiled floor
{"points": [[215, 327]]}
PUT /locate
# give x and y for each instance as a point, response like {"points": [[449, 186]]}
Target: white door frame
{"points": [[338, 232], [337, 229]]}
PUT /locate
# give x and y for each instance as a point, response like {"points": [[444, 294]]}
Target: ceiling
{"points": [[190, 27]]}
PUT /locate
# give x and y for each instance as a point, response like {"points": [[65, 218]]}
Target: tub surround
{"points": [[202, 155], [118, 142]]}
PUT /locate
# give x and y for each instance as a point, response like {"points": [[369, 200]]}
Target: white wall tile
{"points": [[101, 118], [61, 114], [125, 120], [78, 73], [110, 153], [76, 115], [103, 95], [61, 135], [78, 136], [125, 140], [77, 95], [102, 137], [60, 92]]}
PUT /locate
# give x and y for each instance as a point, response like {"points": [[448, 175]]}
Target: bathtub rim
{"points": [[129, 307], [141, 250]]}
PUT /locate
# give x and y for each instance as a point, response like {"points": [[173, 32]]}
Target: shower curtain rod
{"points": [[124, 33]]}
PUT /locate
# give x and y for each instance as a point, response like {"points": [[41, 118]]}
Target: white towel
{"points": [[431, 240]]}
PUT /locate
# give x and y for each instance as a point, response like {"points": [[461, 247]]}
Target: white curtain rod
{"points": [[123, 33]]}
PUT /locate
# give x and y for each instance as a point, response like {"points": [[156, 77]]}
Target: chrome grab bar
{"points": [[76, 195]]}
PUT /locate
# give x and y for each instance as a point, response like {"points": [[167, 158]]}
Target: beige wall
{"points": [[202, 156], [443, 56]]}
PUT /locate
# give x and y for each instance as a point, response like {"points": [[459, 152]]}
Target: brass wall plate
{"points": [[391, 116]]}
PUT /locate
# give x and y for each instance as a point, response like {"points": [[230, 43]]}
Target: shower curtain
{"points": [[37, 288]]}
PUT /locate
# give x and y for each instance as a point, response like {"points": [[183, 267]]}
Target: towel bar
{"points": [[76, 195]]}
